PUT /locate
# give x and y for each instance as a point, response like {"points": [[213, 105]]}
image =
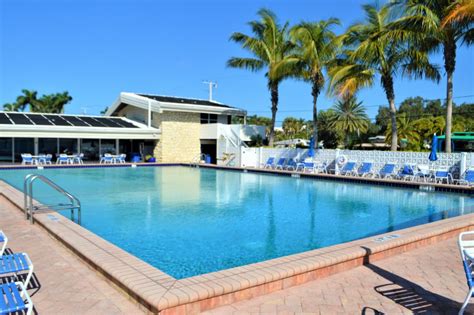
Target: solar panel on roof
{"points": [[75, 121], [57, 120], [4, 120], [124, 123], [91, 121], [39, 120], [20, 119], [108, 122]]}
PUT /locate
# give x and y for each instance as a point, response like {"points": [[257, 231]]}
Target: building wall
{"points": [[180, 137]]}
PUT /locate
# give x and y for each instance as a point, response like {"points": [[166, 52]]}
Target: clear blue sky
{"points": [[96, 49]]}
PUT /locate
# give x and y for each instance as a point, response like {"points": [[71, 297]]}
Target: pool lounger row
{"points": [[13, 295], [408, 172]]}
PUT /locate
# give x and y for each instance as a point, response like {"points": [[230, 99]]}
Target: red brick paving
{"points": [[429, 280], [63, 284]]}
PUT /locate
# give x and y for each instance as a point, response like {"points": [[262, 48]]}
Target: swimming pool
{"points": [[187, 221]]}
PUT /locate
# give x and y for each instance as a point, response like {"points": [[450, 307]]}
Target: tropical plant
{"points": [[405, 130], [316, 48], [349, 117], [459, 11], [293, 126], [271, 49], [372, 50], [435, 24], [52, 103]]}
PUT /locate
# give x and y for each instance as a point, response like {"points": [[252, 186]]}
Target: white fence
{"points": [[457, 162]]}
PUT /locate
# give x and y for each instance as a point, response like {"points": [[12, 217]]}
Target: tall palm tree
{"points": [[372, 51], [316, 48], [270, 47], [349, 117], [53, 103], [425, 18], [461, 10]]}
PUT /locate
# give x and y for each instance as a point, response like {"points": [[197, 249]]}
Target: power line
{"points": [[412, 116], [366, 106]]}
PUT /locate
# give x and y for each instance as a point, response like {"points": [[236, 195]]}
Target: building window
{"points": [[208, 118]]}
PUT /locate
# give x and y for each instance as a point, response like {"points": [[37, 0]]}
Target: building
{"points": [[170, 128], [460, 142]]}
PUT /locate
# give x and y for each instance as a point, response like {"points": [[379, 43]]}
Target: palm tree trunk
{"points": [[315, 92], [449, 65], [393, 120], [274, 99], [387, 83]]}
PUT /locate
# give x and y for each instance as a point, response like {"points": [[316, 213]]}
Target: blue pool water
{"points": [[188, 221]]}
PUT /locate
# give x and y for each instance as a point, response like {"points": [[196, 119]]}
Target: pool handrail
{"points": [[29, 208]]}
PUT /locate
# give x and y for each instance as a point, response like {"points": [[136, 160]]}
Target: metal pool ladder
{"points": [[30, 208]]}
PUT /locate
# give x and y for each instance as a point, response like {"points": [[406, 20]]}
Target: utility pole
{"points": [[211, 85]]}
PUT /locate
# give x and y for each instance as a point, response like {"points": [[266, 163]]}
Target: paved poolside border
{"points": [[158, 291]]}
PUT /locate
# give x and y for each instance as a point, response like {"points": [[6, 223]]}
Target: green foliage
{"points": [[51, 103], [271, 50], [349, 118]]}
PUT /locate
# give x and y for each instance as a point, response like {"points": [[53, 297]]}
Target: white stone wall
{"points": [[180, 132]]}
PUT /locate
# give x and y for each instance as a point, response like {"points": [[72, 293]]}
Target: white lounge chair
{"points": [[466, 247]]}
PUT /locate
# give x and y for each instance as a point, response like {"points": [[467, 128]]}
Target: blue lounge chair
{"points": [[62, 159], [78, 158], [4, 241], [407, 172], [291, 165], [309, 165], [121, 158], [106, 158], [387, 171], [14, 298], [442, 174], [348, 168], [15, 264], [364, 169], [466, 247], [269, 163], [467, 178], [26, 158], [280, 164]]}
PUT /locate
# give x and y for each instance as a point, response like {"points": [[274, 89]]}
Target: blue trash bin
{"points": [[135, 157], [207, 159]]}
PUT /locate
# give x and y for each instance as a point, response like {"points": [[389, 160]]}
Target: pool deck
{"points": [[426, 280], [62, 283]]}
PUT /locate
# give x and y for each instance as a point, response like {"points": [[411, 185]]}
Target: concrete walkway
{"points": [[429, 280], [62, 284]]}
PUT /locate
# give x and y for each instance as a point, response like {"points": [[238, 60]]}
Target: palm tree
{"points": [[461, 10], [406, 130], [53, 103], [373, 51], [423, 20], [292, 127], [316, 48], [271, 49], [349, 117], [11, 107]]}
